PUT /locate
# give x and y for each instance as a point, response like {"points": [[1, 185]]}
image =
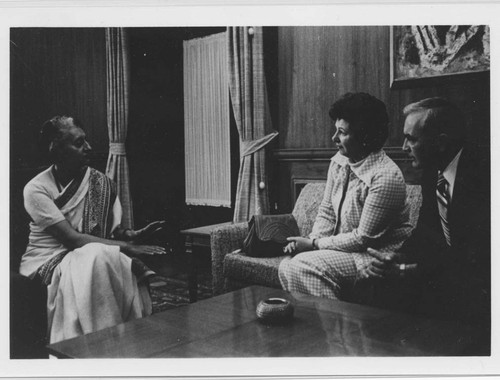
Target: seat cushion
{"points": [[258, 271]]}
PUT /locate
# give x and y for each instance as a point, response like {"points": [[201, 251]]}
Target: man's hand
{"points": [[298, 244], [382, 265], [385, 257]]}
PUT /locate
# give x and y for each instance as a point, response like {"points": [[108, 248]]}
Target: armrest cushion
{"points": [[223, 240]]}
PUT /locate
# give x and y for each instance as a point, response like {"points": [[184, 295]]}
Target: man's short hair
{"points": [[441, 116]]}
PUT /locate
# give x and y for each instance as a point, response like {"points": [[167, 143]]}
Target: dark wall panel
{"points": [[56, 71], [52, 72], [155, 142], [63, 71], [470, 93]]}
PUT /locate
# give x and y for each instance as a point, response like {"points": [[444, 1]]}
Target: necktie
{"points": [[344, 192], [443, 199]]}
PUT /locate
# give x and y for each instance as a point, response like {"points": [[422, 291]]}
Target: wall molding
{"points": [[305, 154], [325, 154], [298, 183]]}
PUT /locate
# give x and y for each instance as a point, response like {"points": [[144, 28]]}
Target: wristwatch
{"points": [[402, 269], [315, 248]]}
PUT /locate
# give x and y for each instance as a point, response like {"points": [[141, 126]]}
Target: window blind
{"points": [[206, 120]]}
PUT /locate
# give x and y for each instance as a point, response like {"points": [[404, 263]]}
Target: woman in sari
{"points": [[364, 205], [77, 247]]}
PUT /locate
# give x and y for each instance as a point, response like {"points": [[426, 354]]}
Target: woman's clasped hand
{"points": [[298, 244]]}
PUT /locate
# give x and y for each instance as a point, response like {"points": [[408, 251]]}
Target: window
{"points": [[206, 119]]}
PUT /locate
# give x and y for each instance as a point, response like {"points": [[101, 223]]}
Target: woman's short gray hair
{"points": [[52, 132]]}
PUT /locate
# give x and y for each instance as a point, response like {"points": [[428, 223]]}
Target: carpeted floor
{"points": [[172, 291], [169, 288]]}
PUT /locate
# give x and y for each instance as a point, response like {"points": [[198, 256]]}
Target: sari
{"points": [[94, 286]]}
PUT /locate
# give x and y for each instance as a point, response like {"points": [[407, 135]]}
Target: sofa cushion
{"points": [[254, 270]]}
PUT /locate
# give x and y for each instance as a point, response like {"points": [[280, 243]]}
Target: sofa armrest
{"points": [[223, 240]]}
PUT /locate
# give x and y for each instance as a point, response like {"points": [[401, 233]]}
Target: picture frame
{"points": [[425, 54]]}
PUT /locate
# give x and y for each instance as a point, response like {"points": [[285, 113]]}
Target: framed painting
{"points": [[434, 51]]}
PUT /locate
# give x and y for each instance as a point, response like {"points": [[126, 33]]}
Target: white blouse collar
{"points": [[364, 168]]}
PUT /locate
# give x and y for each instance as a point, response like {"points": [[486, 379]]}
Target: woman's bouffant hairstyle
{"points": [[366, 115], [51, 134]]}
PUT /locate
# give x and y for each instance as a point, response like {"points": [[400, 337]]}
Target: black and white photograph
{"points": [[273, 190]]}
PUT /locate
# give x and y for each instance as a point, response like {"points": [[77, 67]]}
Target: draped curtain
{"points": [[206, 121], [117, 80], [251, 110]]}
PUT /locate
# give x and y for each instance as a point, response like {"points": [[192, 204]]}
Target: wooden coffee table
{"points": [[226, 326]]}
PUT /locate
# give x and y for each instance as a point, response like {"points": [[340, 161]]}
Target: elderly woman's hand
{"points": [[298, 244], [138, 236], [136, 250], [145, 233]]}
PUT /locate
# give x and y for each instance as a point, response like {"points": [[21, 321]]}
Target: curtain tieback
{"points": [[252, 146], [118, 149]]}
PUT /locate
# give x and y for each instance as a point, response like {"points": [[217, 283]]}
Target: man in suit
{"points": [[448, 254]]}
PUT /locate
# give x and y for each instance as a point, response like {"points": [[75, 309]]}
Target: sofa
{"points": [[233, 269]]}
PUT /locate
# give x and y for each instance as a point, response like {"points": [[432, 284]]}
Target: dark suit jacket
{"points": [[455, 280]]}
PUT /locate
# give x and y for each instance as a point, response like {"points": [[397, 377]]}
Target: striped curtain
{"points": [[206, 119], [117, 79], [251, 110]]}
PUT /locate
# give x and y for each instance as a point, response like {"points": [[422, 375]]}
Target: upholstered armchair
{"points": [[232, 269]]}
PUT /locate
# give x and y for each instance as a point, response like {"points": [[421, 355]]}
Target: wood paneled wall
{"points": [[319, 64], [53, 71], [316, 65], [56, 71], [61, 71]]}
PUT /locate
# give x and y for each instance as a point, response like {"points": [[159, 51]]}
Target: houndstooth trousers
{"points": [[323, 273]]}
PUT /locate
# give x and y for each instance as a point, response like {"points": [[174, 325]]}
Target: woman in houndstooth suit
{"points": [[364, 205]]}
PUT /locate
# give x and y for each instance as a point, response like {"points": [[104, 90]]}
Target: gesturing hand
{"points": [[145, 233]]}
